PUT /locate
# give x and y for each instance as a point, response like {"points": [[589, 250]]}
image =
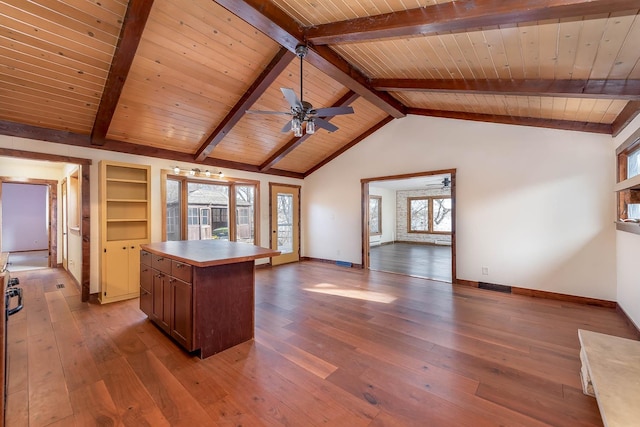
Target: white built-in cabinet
{"points": [[125, 224]]}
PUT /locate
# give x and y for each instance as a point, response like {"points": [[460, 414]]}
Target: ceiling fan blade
{"points": [[331, 111], [267, 112], [321, 123], [287, 127], [291, 98]]}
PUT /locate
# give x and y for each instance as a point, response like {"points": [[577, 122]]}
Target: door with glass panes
{"points": [[285, 222]]}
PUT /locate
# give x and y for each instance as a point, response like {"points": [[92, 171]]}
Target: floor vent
{"points": [[60, 285], [493, 287]]}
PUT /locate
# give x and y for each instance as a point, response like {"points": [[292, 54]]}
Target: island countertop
{"points": [[207, 253]]}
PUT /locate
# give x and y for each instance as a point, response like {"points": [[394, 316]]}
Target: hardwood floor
{"points": [[426, 261], [334, 346]]}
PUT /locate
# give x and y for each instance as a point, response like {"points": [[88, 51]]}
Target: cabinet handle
{"points": [[160, 259], [133, 247], [145, 270], [179, 265], [124, 247]]}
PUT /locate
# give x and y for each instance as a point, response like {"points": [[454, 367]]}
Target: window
{"points": [[209, 209], [633, 163], [245, 205], [429, 215], [418, 210], [441, 219], [174, 225], [193, 216], [375, 215], [628, 186]]}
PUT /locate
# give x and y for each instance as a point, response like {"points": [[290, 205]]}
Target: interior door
{"points": [[285, 222]]}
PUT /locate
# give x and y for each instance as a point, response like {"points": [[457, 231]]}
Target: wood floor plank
{"points": [[78, 365], [48, 394], [58, 308], [333, 346], [136, 407], [92, 406], [17, 409], [258, 362], [301, 358], [260, 395], [17, 355], [177, 406]]}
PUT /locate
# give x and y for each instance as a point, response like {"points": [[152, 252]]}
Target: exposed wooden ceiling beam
{"points": [[460, 16], [344, 148], [345, 101], [601, 89], [79, 140], [520, 121], [334, 66], [281, 28], [277, 65], [32, 155], [628, 113], [135, 20]]}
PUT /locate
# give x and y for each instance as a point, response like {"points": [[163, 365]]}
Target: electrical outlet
{"points": [[485, 271]]}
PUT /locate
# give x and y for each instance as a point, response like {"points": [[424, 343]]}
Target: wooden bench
{"points": [[611, 373]]}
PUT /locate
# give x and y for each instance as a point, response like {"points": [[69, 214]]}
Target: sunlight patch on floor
{"points": [[329, 289]]}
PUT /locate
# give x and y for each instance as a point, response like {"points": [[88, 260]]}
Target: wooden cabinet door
{"points": [[146, 287], [160, 298], [134, 270], [182, 313], [116, 272]]}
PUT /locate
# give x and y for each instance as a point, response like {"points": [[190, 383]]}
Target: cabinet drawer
{"points": [[146, 277], [181, 271], [161, 263], [145, 258]]}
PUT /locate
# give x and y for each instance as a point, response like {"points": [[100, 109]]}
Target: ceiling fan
{"points": [[445, 184], [302, 111]]}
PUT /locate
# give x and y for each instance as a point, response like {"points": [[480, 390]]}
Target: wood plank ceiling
{"points": [[173, 79]]}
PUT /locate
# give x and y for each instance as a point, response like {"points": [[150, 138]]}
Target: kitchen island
{"points": [[201, 292]]}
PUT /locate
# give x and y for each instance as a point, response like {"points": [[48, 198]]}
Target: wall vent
{"points": [[493, 287]]}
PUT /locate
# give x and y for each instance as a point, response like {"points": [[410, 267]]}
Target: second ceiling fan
{"points": [[302, 111]]}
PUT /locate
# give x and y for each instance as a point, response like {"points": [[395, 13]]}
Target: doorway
{"points": [[408, 224], [29, 219], [284, 217]]}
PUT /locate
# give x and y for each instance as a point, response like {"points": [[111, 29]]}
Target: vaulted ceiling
{"points": [[173, 78]]}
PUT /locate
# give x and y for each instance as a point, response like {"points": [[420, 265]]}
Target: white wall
{"points": [[25, 217], [156, 166], [534, 205], [627, 249], [17, 169], [388, 212]]}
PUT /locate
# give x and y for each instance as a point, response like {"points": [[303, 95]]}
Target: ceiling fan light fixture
{"points": [[296, 127], [311, 127]]}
